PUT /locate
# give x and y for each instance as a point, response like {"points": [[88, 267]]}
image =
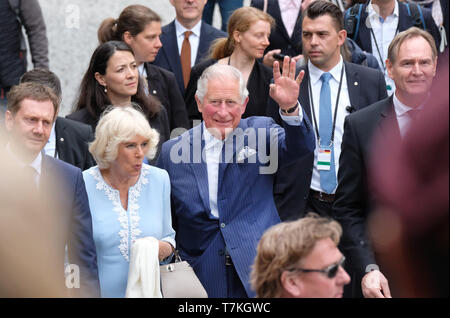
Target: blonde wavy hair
{"points": [[117, 125]]}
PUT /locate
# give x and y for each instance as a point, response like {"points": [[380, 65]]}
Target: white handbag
{"points": [[178, 280]]}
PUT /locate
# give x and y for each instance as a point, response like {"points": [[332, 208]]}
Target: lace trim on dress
{"points": [[129, 220]]}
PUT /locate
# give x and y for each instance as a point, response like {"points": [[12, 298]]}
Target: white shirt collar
{"points": [[315, 73], [210, 140], [181, 29], [286, 4], [373, 13], [142, 70], [401, 109]]}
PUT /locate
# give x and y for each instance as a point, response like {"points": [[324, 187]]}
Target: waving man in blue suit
{"points": [[221, 174]]}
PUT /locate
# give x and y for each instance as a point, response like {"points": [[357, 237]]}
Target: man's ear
{"points": [[99, 78], [389, 68], [342, 34], [9, 121], [292, 284], [244, 105], [199, 104]]}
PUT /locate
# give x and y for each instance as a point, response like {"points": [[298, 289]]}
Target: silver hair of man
{"points": [[224, 72]]}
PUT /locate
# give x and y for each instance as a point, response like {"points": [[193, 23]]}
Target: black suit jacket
{"points": [[72, 142], [353, 202], [291, 189], [168, 57], [279, 38], [161, 83], [364, 37], [257, 86]]}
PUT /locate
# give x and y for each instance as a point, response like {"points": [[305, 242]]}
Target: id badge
{"points": [[324, 159]]}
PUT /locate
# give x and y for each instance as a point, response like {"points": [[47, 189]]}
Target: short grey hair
{"points": [[120, 124], [224, 72]]}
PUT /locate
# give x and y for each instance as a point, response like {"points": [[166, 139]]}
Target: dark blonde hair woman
{"points": [[248, 37]]}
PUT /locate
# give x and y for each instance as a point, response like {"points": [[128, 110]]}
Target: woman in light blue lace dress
{"points": [[128, 199]]}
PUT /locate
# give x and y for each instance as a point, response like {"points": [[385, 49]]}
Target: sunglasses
{"points": [[330, 271]]}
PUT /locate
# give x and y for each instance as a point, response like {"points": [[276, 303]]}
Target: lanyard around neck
{"points": [[335, 107], [383, 64]]}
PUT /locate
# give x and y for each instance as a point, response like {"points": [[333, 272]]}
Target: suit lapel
{"points": [[353, 85], [170, 49], [303, 97], [297, 36], [388, 124], [275, 11], [199, 168], [203, 45]]}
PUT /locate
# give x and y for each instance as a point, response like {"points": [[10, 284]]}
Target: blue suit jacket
{"points": [[76, 221], [245, 198], [364, 38], [168, 57]]}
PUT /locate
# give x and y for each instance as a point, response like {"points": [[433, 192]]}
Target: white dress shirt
{"points": [[290, 9], [194, 39], [344, 101], [401, 112], [50, 146], [213, 151], [384, 31]]}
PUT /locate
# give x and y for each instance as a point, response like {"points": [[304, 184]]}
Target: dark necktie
{"points": [[186, 58]]}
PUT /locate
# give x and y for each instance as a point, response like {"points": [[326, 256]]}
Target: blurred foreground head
{"points": [[29, 236], [300, 259]]}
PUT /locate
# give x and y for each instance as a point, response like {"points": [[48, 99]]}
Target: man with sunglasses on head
{"points": [[300, 259]]}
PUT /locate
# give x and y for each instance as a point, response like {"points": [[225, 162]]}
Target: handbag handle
{"points": [[177, 256]]}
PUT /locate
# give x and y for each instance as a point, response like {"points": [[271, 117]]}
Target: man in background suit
{"points": [[196, 43], [286, 38], [221, 175], [411, 63], [31, 111], [301, 188], [380, 21], [68, 139]]}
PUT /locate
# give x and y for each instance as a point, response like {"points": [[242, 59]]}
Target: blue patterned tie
{"points": [[327, 178]]}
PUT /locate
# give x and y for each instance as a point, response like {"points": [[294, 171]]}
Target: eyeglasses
{"points": [[330, 271]]}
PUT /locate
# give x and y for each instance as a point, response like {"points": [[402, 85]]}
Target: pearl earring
{"points": [[106, 91]]}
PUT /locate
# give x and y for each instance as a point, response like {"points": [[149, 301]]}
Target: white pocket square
{"points": [[245, 153]]}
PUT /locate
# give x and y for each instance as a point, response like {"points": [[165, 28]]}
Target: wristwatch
{"points": [[290, 110]]}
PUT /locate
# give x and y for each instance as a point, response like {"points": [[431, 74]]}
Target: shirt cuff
{"points": [[293, 120]]}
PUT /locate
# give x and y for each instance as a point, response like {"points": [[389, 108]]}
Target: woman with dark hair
{"points": [[248, 36], [140, 28], [112, 78]]}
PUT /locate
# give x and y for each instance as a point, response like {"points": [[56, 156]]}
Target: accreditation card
{"points": [[324, 159]]}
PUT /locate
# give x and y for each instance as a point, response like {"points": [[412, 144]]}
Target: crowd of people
{"points": [[281, 157]]}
